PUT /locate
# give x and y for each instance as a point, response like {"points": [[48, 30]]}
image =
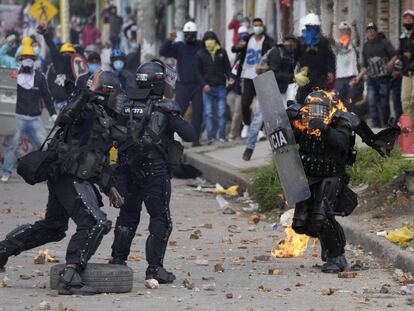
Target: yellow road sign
{"points": [[43, 11]]}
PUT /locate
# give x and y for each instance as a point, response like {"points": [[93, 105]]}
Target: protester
{"points": [[378, 57], [118, 65], [281, 60], [90, 34], [187, 88], [115, 26], [234, 25], [94, 62], [316, 59], [346, 63], [213, 69], [251, 51], [61, 79], [32, 90], [6, 52], [406, 55]]}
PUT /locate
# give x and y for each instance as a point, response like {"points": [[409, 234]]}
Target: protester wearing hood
{"points": [[251, 51], [187, 88], [32, 91], [94, 62], [213, 70], [406, 56], [60, 77], [316, 59], [378, 57], [118, 60], [346, 63]]}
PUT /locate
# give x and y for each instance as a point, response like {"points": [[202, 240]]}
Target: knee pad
{"points": [[122, 242]]}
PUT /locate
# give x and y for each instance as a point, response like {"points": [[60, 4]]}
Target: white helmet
{"points": [[242, 29], [312, 20], [190, 27]]}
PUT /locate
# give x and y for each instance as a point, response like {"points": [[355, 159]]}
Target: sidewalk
{"points": [[223, 163]]}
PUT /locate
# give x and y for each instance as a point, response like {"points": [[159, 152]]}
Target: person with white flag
{"points": [[32, 89]]}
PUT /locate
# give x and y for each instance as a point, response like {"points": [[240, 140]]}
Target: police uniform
{"points": [[143, 175], [326, 139], [81, 145]]}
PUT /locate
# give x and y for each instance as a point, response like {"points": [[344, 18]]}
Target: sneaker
{"points": [[222, 140], [5, 178], [210, 142], [261, 136], [247, 154], [244, 131]]}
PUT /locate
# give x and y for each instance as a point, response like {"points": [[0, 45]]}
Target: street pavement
{"points": [[245, 282]]}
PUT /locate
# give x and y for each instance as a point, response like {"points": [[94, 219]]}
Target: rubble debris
{"points": [[227, 240], [5, 210], [188, 283], [229, 295], [231, 191], [275, 272], [172, 243], [233, 229], [206, 226], [262, 258], [264, 289], [253, 207], [195, 235], [253, 219], [218, 267], [410, 300], [25, 276], [53, 293], [209, 287], [228, 210], [327, 291], [347, 275], [44, 305], [385, 289], [151, 284]]}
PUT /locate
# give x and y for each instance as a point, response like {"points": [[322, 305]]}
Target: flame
{"points": [[293, 245], [44, 256], [338, 105]]}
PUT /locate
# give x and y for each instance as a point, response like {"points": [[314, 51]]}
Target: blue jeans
{"points": [[217, 97], [256, 125], [378, 92], [33, 128]]}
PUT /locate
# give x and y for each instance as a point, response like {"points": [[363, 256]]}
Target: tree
{"points": [[147, 22]]}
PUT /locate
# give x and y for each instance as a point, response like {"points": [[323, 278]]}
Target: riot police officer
{"points": [[80, 148], [324, 131], [144, 168]]}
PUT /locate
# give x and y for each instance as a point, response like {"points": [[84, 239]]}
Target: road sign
{"points": [[43, 11]]}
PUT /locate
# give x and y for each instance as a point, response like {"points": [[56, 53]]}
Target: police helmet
{"points": [[151, 76]]}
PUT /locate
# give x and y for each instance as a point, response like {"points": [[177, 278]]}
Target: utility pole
{"points": [[147, 24]]}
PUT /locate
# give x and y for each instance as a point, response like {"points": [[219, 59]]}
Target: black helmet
{"points": [[151, 76], [319, 105], [109, 86]]}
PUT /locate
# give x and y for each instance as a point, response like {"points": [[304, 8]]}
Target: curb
{"points": [[380, 247], [217, 171]]}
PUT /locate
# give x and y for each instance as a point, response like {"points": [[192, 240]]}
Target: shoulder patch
{"points": [[352, 119]]}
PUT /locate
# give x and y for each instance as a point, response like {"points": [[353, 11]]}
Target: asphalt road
{"points": [[298, 287]]}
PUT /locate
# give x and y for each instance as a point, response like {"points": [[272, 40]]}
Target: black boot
{"points": [[247, 154], [122, 244], [70, 283], [160, 274], [4, 256], [335, 264]]}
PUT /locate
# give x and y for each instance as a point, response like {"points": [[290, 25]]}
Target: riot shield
{"points": [[282, 140], [79, 65]]}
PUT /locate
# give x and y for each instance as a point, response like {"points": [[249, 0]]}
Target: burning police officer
{"points": [[145, 163], [324, 131], [76, 159]]}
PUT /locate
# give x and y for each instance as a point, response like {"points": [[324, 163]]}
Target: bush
{"points": [[266, 188], [370, 168]]}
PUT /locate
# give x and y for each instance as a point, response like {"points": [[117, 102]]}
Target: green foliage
{"points": [[370, 168], [266, 187]]}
